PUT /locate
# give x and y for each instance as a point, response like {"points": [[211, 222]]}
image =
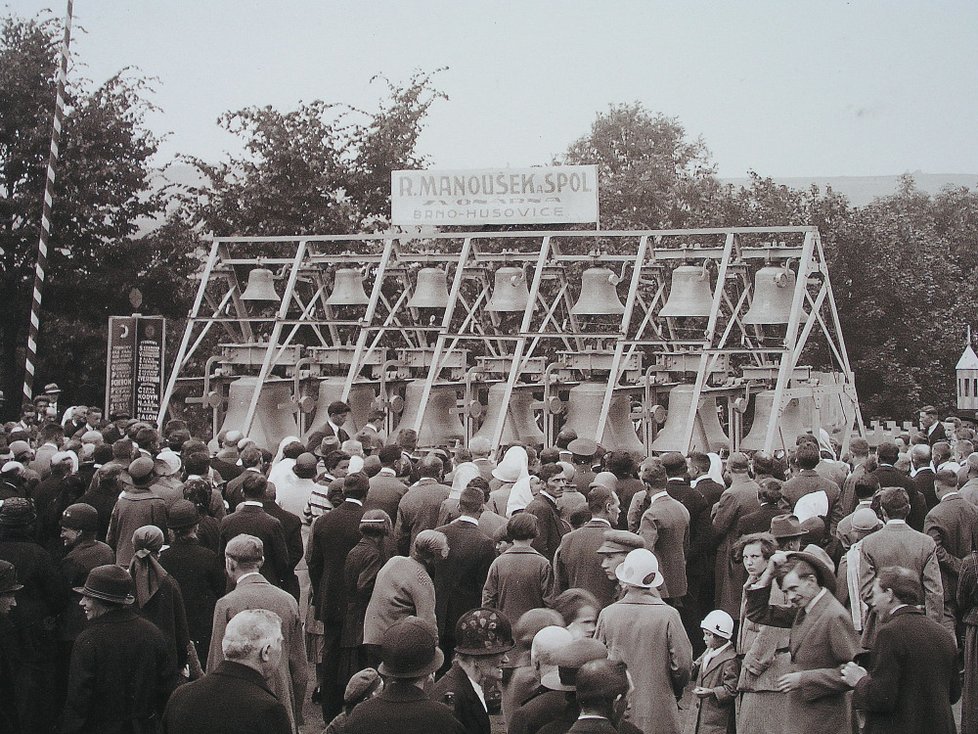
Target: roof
{"points": [[968, 361]]}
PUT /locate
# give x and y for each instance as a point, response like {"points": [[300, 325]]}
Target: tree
{"points": [[323, 168], [102, 192]]}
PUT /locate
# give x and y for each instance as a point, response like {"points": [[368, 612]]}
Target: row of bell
{"points": [[690, 295]]}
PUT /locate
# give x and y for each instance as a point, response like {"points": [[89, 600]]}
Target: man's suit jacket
{"points": [[821, 640], [418, 511], [897, 544], [665, 529], [232, 490], [923, 480], [914, 679], [246, 704], [700, 527], [385, 494], [288, 683], [738, 501], [578, 565], [760, 521], [406, 708], [253, 520], [710, 490], [460, 579], [550, 528], [888, 476], [953, 524], [455, 690], [292, 527], [937, 434], [333, 537], [808, 481]]}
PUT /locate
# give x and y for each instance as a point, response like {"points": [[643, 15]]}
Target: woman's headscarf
{"points": [[464, 473], [145, 570], [280, 454], [716, 469], [514, 464]]}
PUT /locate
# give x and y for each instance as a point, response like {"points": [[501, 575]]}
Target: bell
{"points": [[440, 425], [360, 400], [583, 409], [690, 293], [430, 290], [598, 294], [348, 288], [274, 419], [509, 292], [774, 289], [708, 434], [520, 426], [796, 419], [261, 286]]}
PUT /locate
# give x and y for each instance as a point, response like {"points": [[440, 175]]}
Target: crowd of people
{"points": [[151, 582]]}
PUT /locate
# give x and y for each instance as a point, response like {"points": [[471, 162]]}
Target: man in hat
{"points": [[897, 544], [79, 524], [418, 509], [410, 655], [481, 450], [42, 598], [250, 518], [252, 649], [550, 527], [788, 531], [244, 556], [739, 500], [602, 692], [914, 678], [664, 527], [122, 670], [9, 717], [333, 537], [616, 545], [460, 579], [576, 564], [648, 635], [583, 451], [482, 639], [386, 490], [822, 639], [137, 506]]}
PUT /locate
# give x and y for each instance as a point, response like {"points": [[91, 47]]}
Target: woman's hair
{"points": [[570, 603], [768, 543]]}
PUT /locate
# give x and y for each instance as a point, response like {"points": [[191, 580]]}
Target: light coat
{"points": [[665, 529]]}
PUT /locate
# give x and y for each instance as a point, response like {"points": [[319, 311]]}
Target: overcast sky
{"points": [[820, 88]]}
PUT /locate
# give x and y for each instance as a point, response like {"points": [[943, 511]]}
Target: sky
{"points": [[823, 88]]}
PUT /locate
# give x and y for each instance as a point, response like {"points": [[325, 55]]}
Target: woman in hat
{"points": [[511, 475], [158, 596], [363, 563], [763, 649], [366, 684]]}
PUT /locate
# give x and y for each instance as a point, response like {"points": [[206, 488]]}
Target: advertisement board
{"points": [[134, 368]]}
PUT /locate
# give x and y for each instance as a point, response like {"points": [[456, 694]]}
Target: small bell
{"points": [[348, 289], [261, 287], [774, 288], [431, 289], [598, 294], [509, 292], [690, 293]]}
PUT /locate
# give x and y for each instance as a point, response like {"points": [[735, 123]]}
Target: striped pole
{"points": [[30, 356]]}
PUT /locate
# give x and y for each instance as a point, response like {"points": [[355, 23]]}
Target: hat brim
{"points": [[799, 534], [12, 588], [657, 580], [484, 651], [304, 473], [551, 680], [128, 599], [435, 663], [826, 578]]}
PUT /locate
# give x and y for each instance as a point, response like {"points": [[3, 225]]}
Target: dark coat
{"points": [[407, 709], [454, 689], [333, 537], [120, 677], [74, 569], [228, 470], [550, 527], [233, 699], [44, 594], [253, 520], [890, 477], [914, 679], [292, 527], [953, 524], [537, 711], [577, 564], [627, 488], [699, 555], [232, 490], [923, 480], [363, 563], [165, 609], [200, 574], [460, 579], [103, 500], [937, 434], [758, 522]]}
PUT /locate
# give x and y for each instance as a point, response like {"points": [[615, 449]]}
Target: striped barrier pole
{"points": [[30, 355]]}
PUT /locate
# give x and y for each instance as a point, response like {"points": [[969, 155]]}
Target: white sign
{"points": [[546, 195]]}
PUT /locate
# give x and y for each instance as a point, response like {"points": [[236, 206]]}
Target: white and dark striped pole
{"points": [[30, 354]]}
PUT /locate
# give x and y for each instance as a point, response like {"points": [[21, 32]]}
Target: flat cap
{"points": [[620, 541]]}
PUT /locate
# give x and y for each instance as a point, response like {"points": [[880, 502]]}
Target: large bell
{"points": [[774, 288], [430, 290], [348, 288], [797, 418], [441, 425], [361, 402], [583, 409], [261, 287], [708, 434], [598, 294], [690, 293], [509, 292], [274, 419], [520, 426]]}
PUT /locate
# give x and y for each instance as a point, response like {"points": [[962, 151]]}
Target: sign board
{"points": [[134, 369], [545, 195]]}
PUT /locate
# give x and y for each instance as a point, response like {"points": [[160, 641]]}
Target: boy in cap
{"points": [[717, 672]]}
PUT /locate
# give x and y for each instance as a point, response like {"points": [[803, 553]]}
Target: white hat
{"points": [[719, 623], [11, 466], [641, 569], [59, 457], [167, 463]]}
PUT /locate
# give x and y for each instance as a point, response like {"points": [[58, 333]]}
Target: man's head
{"points": [[51, 433], [337, 463], [972, 466], [894, 586], [859, 448], [674, 464], [243, 554], [940, 452], [807, 455], [471, 502], [616, 546], [93, 416], [338, 412], [431, 467], [895, 503], [945, 482], [866, 486], [480, 447], [769, 491], [602, 689], [251, 457], [254, 638], [653, 473], [253, 487], [352, 447], [800, 582], [552, 476], [78, 522], [389, 455], [8, 587], [928, 416], [355, 486], [106, 588], [604, 503], [699, 464], [522, 526], [888, 453], [407, 439], [738, 464], [920, 455]]}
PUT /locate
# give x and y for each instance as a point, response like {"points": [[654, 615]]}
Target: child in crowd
{"points": [[717, 671]]}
